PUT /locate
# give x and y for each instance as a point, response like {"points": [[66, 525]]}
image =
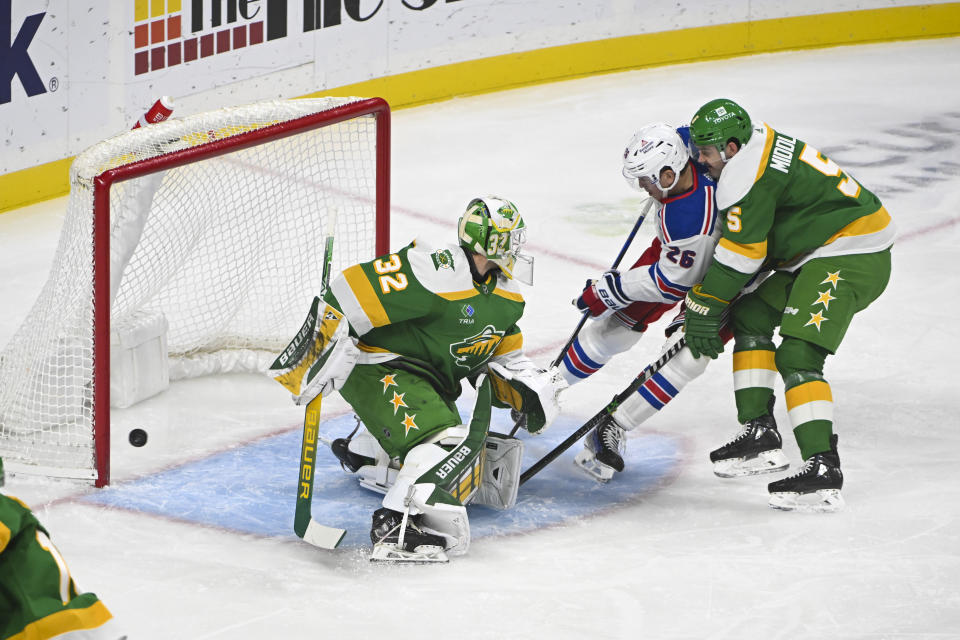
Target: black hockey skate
{"points": [[755, 449], [348, 459], [603, 450], [417, 546], [816, 487]]}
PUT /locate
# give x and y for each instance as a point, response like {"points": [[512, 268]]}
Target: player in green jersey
{"points": [[38, 597], [789, 208], [403, 331]]}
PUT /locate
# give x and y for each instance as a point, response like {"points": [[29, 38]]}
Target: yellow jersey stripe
{"points": [[754, 359], [876, 221], [366, 296], [753, 250], [65, 621], [363, 346], [509, 295], [767, 147], [508, 344], [814, 391], [459, 295]]}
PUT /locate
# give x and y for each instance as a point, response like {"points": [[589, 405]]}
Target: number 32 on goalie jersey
{"points": [[389, 282]]}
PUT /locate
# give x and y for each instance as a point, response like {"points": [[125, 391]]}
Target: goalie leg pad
{"points": [[501, 472], [442, 514], [436, 481]]}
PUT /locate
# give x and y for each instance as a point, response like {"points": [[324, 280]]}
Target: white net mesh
{"points": [[229, 249]]}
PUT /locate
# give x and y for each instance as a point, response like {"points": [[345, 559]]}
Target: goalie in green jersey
{"points": [[399, 335], [38, 597], [788, 208]]}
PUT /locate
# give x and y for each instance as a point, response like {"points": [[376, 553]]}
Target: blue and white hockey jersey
{"points": [[688, 232]]}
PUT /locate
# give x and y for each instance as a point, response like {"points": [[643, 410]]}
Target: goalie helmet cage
{"points": [[210, 226]]}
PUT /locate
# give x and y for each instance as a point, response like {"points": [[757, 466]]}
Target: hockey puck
{"points": [[138, 437]]}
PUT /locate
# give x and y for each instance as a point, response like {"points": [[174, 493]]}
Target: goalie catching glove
{"points": [[320, 357], [529, 390]]}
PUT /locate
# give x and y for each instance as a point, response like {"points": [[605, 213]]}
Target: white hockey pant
{"points": [[663, 387], [599, 341]]}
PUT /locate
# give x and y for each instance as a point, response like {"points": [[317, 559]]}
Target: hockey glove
{"points": [[704, 317], [320, 357], [531, 391], [600, 296]]}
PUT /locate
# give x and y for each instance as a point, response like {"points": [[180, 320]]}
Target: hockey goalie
{"points": [[395, 337]]}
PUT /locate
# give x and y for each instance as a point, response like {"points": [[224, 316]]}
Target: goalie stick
{"points": [[586, 314], [304, 525], [618, 399]]}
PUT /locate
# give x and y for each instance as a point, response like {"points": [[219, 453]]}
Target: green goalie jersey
{"points": [[421, 309], [785, 204]]}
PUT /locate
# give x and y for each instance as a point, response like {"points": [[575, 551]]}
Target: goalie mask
{"points": [[651, 150], [494, 228]]}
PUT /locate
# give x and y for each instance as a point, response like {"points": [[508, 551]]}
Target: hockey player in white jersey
{"points": [[623, 304]]}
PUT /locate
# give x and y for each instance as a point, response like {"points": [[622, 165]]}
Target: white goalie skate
{"points": [[399, 538], [423, 554]]}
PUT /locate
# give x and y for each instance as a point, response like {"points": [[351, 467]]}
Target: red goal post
{"points": [[199, 237]]}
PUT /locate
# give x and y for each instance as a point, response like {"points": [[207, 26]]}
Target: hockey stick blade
{"points": [[632, 388], [304, 525], [322, 536]]}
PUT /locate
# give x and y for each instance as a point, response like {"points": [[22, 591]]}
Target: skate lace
{"points": [[741, 433], [807, 465], [612, 436]]}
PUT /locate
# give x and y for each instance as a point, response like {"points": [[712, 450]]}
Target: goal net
{"points": [[189, 247]]}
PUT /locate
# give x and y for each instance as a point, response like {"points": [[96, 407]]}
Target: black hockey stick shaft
{"points": [[618, 399], [586, 314]]}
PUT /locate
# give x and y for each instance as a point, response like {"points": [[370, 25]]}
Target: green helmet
{"points": [[494, 228], [717, 122]]}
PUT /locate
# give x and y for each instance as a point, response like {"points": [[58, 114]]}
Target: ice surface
{"points": [[194, 538]]}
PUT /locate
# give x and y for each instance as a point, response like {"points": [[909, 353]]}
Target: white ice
{"points": [[692, 557]]}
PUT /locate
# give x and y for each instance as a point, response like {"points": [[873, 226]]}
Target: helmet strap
{"points": [[474, 272]]}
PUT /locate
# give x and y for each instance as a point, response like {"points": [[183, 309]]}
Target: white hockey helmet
{"points": [[494, 228], [650, 150]]}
